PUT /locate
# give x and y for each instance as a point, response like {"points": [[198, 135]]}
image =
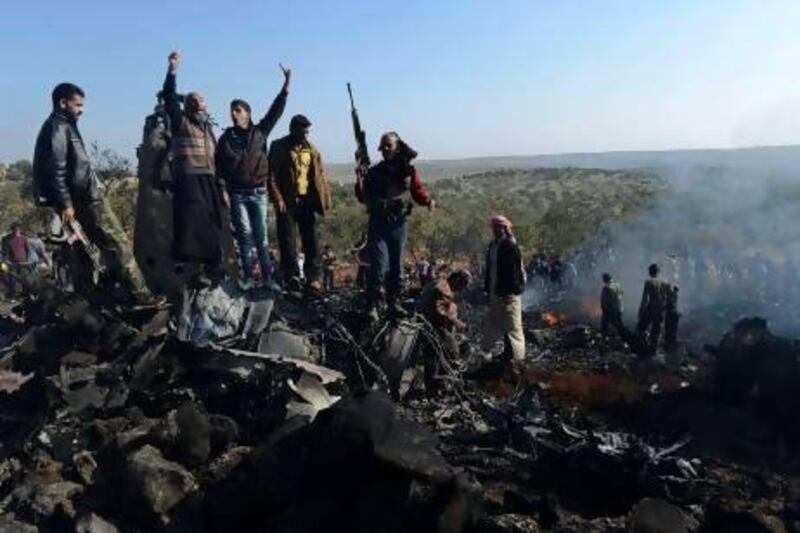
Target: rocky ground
{"points": [[110, 422]]}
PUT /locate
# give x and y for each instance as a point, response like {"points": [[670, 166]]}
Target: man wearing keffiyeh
{"points": [[504, 283]]}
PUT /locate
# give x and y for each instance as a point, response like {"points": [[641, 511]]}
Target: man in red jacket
{"points": [[387, 189]]}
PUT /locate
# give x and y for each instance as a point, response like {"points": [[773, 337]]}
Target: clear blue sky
{"points": [[455, 78]]}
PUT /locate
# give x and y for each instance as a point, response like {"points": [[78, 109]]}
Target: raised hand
{"points": [[287, 76], [174, 60]]}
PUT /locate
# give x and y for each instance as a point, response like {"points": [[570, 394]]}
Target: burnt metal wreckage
{"points": [[251, 413]]}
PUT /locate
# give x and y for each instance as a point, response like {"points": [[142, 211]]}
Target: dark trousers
{"points": [[671, 330], [614, 319], [327, 279], [651, 324], [302, 218], [386, 238], [18, 279]]}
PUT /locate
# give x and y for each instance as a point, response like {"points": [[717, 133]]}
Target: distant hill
{"points": [[769, 159]]}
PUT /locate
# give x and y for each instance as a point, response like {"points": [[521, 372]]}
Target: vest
{"points": [[193, 148]]}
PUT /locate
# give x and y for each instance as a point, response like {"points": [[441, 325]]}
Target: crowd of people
{"points": [[243, 173], [22, 258]]}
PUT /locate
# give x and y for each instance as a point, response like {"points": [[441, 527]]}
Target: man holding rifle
{"points": [[387, 189], [63, 178]]}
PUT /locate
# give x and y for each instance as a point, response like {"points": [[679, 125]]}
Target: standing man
{"points": [[197, 209], [651, 309], [423, 271], [387, 190], [242, 165], [329, 264], [64, 180], [611, 306], [504, 283], [39, 258], [301, 195], [16, 255], [671, 319]]}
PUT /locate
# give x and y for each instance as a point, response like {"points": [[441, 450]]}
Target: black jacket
{"points": [[62, 172], [242, 155], [510, 278]]}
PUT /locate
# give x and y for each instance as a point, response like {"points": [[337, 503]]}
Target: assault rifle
{"points": [[362, 154]]}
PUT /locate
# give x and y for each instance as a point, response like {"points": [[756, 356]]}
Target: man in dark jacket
{"points": [[611, 307], [64, 180], [504, 283], [197, 200], [651, 309], [301, 195], [242, 165], [387, 189]]}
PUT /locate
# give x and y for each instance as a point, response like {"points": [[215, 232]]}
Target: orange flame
{"points": [[552, 319]]}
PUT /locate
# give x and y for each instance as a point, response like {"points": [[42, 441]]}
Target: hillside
{"points": [[552, 209], [772, 159], [555, 209]]}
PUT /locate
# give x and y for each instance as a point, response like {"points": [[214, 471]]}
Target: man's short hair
{"points": [[459, 277], [65, 91], [606, 277], [241, 103], [299, 121], [653, 270]]}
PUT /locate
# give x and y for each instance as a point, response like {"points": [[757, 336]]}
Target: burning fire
{"points": [[552, 319], [591, 308]]}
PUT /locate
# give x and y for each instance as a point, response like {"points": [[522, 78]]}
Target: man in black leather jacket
{"points": [[63, 179]]}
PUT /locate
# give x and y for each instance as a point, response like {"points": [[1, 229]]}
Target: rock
{"points": [[92, 523], [185, 434], [744, 522], [161, 484], [9, 525], [653, 515], [510, 523], [222, 466], [44, 491], [224, 432], [85, 465]]}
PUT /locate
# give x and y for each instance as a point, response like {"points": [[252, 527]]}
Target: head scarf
{"points": [[502, 222]]}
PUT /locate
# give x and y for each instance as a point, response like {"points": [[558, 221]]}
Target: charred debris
{"points": [[251, 413]]}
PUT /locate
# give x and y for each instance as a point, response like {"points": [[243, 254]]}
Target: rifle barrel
{"points": [[350, 92]]}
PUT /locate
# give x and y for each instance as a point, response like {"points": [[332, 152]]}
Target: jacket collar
{"points": [[64, 116]]}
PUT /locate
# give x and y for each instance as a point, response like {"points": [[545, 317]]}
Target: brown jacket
{"points": [[438, 303], [283, 176]]}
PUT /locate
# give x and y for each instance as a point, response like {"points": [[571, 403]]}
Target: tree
{"points": [[21, 170], [109, 165]]}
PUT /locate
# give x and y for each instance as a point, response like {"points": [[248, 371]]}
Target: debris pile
{"points": [[249, 413]]}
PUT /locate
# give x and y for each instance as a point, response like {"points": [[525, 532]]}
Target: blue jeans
{"points": [[386, 238], [249, 217]]}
